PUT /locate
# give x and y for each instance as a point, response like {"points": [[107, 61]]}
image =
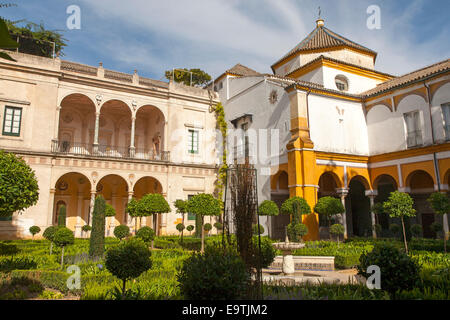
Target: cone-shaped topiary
{"points": [[97, 240], [62, 216]]}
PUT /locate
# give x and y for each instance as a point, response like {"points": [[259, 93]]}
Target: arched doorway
{"points": [[421, 186], [384, 184], [147, 185], [76, 125], [114, 129], [279, 194], [328, 184], [149, 134], [357, 205], [73, 191], [114, 189]]}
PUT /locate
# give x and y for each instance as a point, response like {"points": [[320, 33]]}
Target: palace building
{"points": [[343, 129], [87, 131]]}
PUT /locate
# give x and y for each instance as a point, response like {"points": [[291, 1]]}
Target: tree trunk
{"points": [[445, 240], [203, 237], [62, 258], [51, 248], [404, 235], [182, 231], [123, 289]]}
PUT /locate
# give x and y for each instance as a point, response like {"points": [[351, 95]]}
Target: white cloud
{"points": [[216, 34]]}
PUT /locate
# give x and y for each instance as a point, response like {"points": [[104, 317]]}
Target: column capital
{"points": [[342, 191], [371, 193]]}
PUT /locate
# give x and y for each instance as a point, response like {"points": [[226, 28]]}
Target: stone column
{"points": [[372, 194], [51, 206], [343, 192], [91, 210], [56, 126], [79, 213], [133, 126], [129, 219], [97, 124]]}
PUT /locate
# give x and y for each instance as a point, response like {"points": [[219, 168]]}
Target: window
{"points": [[413, 129], [11, 121], [446, 116], [193, 141], [191, 216], [341, 83]]}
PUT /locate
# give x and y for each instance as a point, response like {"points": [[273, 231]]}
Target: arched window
{"points": [[341, 82]]}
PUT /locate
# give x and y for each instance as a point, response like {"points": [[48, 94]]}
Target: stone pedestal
{"points": [[78, 231], [288, 265]]}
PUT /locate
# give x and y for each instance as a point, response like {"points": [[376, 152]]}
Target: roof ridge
{"points": [[337, 36]]}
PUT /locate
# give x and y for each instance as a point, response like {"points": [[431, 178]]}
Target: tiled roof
{"points": [[323, 38], [443, 66], [322, 57], [241, 70]]}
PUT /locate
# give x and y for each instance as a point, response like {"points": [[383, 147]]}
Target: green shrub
{"points": [[121, 232], [17, 263], [296, 231], [218, 226], [190, 228], [207, 227], [398, 270], [63, 237], [337, 230], [268, 208], [394, 229], [416, 230], [180, 227], [214, 275], [109, 210], [437, 228], [34, 230], [97, 240], [268, 252], [146, 234], [296, 207], [256, 231], [86, 228], [49, 234], [128, 260]]}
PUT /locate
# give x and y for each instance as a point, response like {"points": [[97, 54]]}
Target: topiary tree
{"points": [[132, 209], [146, 234], [180, 227], [218, 226], [400, 205], [128, 260], [63, 237], [257, 231], [109, 213], [121, 232], [337, 230], [296, 231], [153, 204], [34, 230], [97, 240], [394, 229], [296, 207], [204, 205], [181, 206], [207, 227], [329, 207], [62, 216], [416, 230], [86, 228], [218, 274], [18, 184], [268, 208], [49, 234], [441, 205], [398, 270], [436, 227], [190, 228]]}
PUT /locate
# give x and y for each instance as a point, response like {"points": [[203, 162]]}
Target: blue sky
{"points": [[156, 35]]}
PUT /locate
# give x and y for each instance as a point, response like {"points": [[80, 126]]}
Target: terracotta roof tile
{"points": [[443, 66]]}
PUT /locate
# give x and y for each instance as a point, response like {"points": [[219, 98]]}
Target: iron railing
{"points": [[105, 151]]}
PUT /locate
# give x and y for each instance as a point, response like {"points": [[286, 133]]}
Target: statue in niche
{"points": [[156, 144]]}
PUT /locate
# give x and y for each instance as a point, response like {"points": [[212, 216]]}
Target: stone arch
{"points": [[384, 179], [74, 189], [114, 188], [328, 182], [358, 207], [400, 98], [149, 131], [420, 181], [74, 92], [114, 136]]}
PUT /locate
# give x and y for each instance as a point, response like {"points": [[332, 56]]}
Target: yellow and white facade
{"points": [[346, 130]]}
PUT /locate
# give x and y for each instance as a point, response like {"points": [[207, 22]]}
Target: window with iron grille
{"points": [[413, 129], [12, 121], [446, 116], [193, 141]]}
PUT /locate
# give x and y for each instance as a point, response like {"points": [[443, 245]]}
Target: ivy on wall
{"points": [[222, 172]]}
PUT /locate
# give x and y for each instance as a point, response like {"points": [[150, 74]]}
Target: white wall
{"points": [[334, 132]]}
